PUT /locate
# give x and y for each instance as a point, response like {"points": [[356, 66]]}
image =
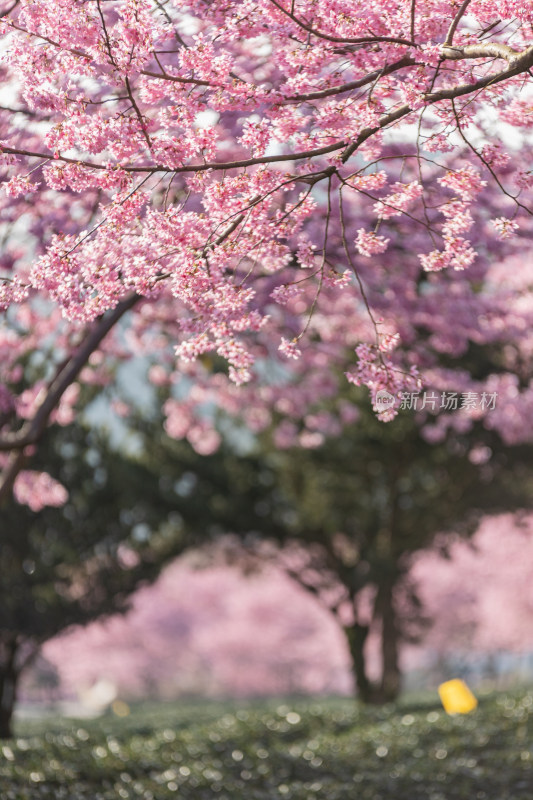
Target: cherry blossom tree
{"points": [[67, 566], [480, 595], [345, 519], [236, 180], [194, 632]]}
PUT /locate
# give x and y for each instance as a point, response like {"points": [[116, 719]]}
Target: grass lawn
{"points": [[304, 749]]}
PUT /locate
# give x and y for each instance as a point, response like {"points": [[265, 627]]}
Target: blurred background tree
{"points": [[69, 565], [345, 519], [363, 503]]}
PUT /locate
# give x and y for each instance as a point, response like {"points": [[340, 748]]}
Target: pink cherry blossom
{"points": [[37, 490], [505, 227], [203, 184], [369, 244]]}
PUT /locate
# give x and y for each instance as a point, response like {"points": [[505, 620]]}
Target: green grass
{"points": [[304, 750]]}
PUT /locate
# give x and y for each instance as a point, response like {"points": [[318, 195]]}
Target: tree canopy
{"points": [[345, 518], [349, 516], [271, 183], [83, 560]]}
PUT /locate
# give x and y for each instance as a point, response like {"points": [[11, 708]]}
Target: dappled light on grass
{"points": [[300, 750]]}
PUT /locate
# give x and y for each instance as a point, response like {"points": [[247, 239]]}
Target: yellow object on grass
{"points": [[456, 697], [120, 708]]}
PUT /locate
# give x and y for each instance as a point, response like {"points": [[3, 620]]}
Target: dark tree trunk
{"points": [[388, 687], [356, 635], [391, 675], [9, 676]]}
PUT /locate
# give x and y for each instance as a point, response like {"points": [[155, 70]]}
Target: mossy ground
{"points": [[303, 750]]}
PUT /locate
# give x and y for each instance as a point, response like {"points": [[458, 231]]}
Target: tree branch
{"points": [[339, 39], [518, 62], [406, 61], [481, 50], [412, 20], [210, 165], [455, 22], [8, 11], [32, 431], [521, 62]]}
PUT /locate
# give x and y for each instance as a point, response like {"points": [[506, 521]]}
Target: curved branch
{"points": [[455, 22], [481, 50], [215, 165], [8, 11], [406, 61], [34, 428], [518, 62], [32, 431], [521, 62], [340, 39]]}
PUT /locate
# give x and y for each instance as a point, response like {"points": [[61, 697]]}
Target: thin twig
{"points": [[339, 39], [455, 22]]}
